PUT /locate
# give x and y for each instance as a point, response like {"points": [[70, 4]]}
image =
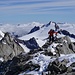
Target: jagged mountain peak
{"points": [[8, 39], [9, 47]]}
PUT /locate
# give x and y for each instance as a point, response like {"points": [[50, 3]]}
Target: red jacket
{"points": [[51, 32]]}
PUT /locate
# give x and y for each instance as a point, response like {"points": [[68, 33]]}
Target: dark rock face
{"points": [[73, 66], [67, 33], [17, 65], [31, 44], [57, 67], [9, 47], [46, 25], [34, 29], [46, 44]]}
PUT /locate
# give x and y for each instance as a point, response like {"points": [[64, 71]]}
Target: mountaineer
{"points": [[51, 35]]}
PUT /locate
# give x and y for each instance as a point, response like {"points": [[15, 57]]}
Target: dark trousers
{"points": [[51, 38]]}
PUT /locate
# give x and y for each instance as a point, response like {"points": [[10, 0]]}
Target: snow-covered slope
{"points": [[39, 35], [42, 34], [1, 34]]}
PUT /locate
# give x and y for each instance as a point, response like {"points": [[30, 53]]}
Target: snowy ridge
{"points": [[1, 34], [25, 48]]}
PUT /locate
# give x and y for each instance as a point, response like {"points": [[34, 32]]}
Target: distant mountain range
{"points": [[25, 49]]}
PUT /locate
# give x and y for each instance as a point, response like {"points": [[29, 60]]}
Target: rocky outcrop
{"points": [[57, 67], [35, 60], [18, 64], [65, 46], [9, 47]]}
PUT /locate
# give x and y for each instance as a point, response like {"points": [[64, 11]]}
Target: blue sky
{"points": [[25, 11]]}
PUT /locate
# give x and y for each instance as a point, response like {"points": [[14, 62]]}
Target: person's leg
{"points": [[52, 38], [49, 38]]}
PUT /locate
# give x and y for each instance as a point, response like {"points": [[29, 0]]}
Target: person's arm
{"points": [[56, 33]]}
